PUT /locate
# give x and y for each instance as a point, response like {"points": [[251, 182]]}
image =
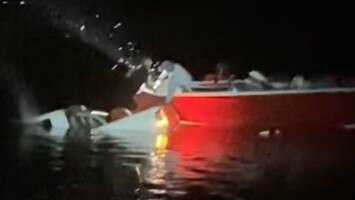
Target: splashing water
{"points": [[25, 101], [67, 17], [25, 109]]}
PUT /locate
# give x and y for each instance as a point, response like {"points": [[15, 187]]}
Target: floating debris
{"points": [[269, 133], [22, 2], [264, 133], [82, 27], [5, 2], [117, 25], [67, 36], [121, 60], [120, 48], [97, 16]]}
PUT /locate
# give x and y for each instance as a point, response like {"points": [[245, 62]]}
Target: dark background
{"points": [[45, 60], [276, 37]]}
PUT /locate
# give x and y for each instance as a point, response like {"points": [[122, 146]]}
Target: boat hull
{"points": [[279, 110]]}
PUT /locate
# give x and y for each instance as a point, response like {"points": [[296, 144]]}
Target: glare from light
{"points": [[156, 84], [127, 111], [349, 126], [114, 67], [161, 142], [162, 121], [264, 133], [157, 191], [117, 25], [97, 112]]}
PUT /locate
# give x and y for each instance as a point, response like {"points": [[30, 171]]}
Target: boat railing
{"points": [[247, 85]]}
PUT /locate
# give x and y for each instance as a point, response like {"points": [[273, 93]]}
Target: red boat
{"points": [[254, 102], [331, 107]]}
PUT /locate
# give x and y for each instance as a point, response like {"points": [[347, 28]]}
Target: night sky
{"points": [[279, 36], [40, 40]]}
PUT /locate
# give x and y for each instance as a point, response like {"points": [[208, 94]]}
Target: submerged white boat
{"points": [[173, 98], [142, 129]]}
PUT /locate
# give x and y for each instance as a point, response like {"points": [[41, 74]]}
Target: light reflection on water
{"points": [[232, 163], [201, 163]]}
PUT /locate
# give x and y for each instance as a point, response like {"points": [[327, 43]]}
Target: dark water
{"points": [[200, 163], [232, 164]]}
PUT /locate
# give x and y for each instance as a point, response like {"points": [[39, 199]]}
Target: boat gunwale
{"points": [[266, 93]]}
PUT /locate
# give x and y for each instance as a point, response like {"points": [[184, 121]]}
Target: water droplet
{"points": [[22, 2], [82, 27], [117, 25], [114, 67]]}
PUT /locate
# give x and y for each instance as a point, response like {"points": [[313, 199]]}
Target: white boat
{"points": [[145, 120]]}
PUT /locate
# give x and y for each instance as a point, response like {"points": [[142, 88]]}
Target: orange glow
{"points": [[161, 143], [162, 120]]}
